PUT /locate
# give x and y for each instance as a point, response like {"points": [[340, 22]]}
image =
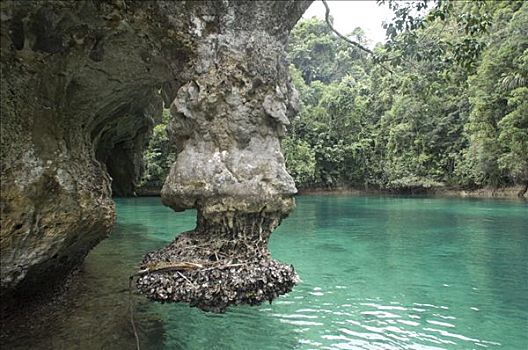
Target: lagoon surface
{"points": [[377, 273]]}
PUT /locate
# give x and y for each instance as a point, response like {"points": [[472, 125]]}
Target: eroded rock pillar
{"points": [[228, 122]]}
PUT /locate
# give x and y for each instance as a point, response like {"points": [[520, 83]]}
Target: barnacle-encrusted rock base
{"points": [[218, 264]]}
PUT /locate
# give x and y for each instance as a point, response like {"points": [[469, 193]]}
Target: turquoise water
{"points": [[377, 273]]}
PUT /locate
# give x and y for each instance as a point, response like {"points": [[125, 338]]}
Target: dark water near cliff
{"points": [[378, 273]]}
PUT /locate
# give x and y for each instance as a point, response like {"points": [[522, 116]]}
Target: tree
{"points": [[159, 155], [497, 124], [450, 111]]}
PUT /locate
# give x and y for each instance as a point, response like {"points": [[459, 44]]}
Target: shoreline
{"points": [[510, 193]]}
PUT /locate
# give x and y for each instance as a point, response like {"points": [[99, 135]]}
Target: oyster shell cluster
{"points": [[216, 266]]}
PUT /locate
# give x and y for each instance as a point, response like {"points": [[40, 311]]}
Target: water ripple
{"points": [[378, 273]]}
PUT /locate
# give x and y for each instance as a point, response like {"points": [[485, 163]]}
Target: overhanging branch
{"points": [[348, 40]]}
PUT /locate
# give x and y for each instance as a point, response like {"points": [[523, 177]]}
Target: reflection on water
{"points": [[377, 273]]}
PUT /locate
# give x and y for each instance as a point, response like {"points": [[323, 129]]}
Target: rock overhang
{"points": [[81, 83]]}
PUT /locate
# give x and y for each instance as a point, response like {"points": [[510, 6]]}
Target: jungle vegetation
{"points": [[442, 103]]}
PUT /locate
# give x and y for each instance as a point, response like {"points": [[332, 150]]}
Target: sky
{"points": [[354, 13]]}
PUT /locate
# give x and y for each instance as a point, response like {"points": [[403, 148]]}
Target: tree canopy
{"points": [[453, 112]]}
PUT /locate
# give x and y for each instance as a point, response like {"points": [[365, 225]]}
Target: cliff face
{"points": [[81, 84]]}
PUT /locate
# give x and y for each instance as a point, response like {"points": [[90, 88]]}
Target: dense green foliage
{"points": [[453, 112], [159, 155]]}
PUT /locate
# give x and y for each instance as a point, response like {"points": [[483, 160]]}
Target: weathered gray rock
{"points": [[229, 118], [81, 84], [228, 121], [79, 89]]}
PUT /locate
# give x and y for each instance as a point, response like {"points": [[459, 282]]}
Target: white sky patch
{"points": [[354, 13]]}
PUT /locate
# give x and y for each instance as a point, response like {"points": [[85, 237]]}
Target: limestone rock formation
{"points": [[228, 121], [81, 84]]}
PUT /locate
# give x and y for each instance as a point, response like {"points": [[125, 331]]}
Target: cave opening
{"points": [[120, 141]]}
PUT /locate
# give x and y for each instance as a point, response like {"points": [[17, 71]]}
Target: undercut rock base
{"points": [[214, 268]]}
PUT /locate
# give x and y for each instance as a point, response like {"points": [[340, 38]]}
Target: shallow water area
{"points": [[377, 273]]}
